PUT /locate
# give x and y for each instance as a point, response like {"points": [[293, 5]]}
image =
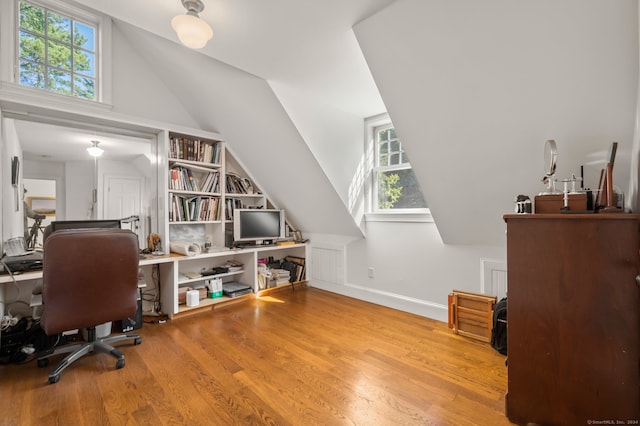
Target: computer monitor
{"points": [[79, 224], [258, 225]]}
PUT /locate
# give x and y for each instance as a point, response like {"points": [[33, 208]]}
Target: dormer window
{"points": [[394, 194]]}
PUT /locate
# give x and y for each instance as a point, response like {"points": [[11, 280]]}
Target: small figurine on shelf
{"points": [[155, 245]]}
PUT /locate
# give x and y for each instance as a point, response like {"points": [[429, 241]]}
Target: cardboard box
{"points": [[545, 204]]}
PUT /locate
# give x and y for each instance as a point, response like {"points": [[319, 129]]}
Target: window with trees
{"points": [[394, 186], [57, 52]]}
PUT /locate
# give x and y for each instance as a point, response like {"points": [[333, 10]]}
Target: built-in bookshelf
{"points": [[195, 170], [204, 184]]}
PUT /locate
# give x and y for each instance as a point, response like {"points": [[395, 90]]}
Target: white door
{"points": [[123, 197]]}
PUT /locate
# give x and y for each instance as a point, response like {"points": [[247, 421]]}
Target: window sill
{"points": [[399, 217], [12, 92]]}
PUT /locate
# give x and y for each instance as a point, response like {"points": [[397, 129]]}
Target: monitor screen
{"points": [[78, 224], [258, 224]]}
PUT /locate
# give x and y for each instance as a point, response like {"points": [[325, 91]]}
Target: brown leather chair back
{"points": [[90, 277]]}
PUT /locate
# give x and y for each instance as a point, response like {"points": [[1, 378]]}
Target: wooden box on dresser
{"points": [[573, 319]]}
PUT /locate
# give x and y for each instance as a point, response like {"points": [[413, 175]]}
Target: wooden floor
{"points": [[306, 357]]}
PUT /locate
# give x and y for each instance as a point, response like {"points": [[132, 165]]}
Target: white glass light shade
{"points": [[94, 151], [192, 31]]}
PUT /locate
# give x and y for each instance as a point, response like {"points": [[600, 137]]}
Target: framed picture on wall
{"points": [[42, 205]]}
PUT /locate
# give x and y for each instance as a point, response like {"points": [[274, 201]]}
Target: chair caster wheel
{"points": [[119, 363], [54, 379], [43, 362], [137, 341]]}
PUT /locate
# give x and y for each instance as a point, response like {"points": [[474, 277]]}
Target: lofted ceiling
{"points": [[306, 45]]}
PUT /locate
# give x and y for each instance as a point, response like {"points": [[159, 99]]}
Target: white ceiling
{"points": [[304, 44], [53, 142]]}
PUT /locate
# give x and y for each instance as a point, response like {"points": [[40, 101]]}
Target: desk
{"points": [[27, 277]]}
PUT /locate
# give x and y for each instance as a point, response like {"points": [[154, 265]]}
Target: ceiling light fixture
{"points": [[192, 31], [94, 151]]}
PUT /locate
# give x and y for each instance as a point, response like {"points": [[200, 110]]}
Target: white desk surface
{"points": [[36, 275]]}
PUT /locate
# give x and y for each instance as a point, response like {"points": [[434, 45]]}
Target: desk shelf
{"points": [[183, 281]]}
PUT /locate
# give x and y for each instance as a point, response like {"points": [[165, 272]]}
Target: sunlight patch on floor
{"points": [[270, 299]]}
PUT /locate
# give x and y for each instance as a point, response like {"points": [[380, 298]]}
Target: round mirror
{"points": [[550, 157]]}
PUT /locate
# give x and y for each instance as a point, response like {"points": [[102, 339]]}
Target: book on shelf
{"points": [[238, 185], [230, 205], [183, 179], [194, 209], [182, 148]]}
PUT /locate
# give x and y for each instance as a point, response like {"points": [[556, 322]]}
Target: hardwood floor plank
{"points": [[295, 357]]}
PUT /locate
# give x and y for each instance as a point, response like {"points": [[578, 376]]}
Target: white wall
{"points": [[79, 186], [12, 211], [475, 89]]}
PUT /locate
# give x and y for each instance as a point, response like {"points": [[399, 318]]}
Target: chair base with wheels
{"points": [[79, 350]]}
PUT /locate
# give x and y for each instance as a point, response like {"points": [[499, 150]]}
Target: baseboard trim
{"points": [[412, 305]]}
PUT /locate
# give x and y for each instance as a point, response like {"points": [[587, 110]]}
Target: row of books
{"points": [[192, 209], [238, 185], [194, 150], [230, 205], [183, 179]]}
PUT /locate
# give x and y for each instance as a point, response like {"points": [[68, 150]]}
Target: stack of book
{"points": [[281, 276]]}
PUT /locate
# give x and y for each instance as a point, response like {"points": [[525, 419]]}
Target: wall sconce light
{"points": [[192, 31], [94, 151]]}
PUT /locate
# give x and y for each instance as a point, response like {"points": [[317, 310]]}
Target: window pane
{"points": [[399, 189], [32, 74], [383, 135], [84, 63], [31, 47], [392, 133], [59, 81], [394, 159], [395, 146], [59, 55], [84, 87], [84, 36], [56, 52], [383, 148], [31, 18], [59, 27]]}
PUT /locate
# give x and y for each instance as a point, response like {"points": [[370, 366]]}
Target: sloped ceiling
{"points": [[294, 42], [476, 88], [257, 130]]}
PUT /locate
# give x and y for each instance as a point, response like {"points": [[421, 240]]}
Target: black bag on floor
{"points": [[499, 330]]}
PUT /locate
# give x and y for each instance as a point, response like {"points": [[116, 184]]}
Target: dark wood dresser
{"points": [[573, 319]]}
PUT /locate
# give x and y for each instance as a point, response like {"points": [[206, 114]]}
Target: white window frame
{"points": [[9, 55], [373, 213]]}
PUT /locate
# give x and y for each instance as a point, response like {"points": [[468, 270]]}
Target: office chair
{"points": [[89, 277]]}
